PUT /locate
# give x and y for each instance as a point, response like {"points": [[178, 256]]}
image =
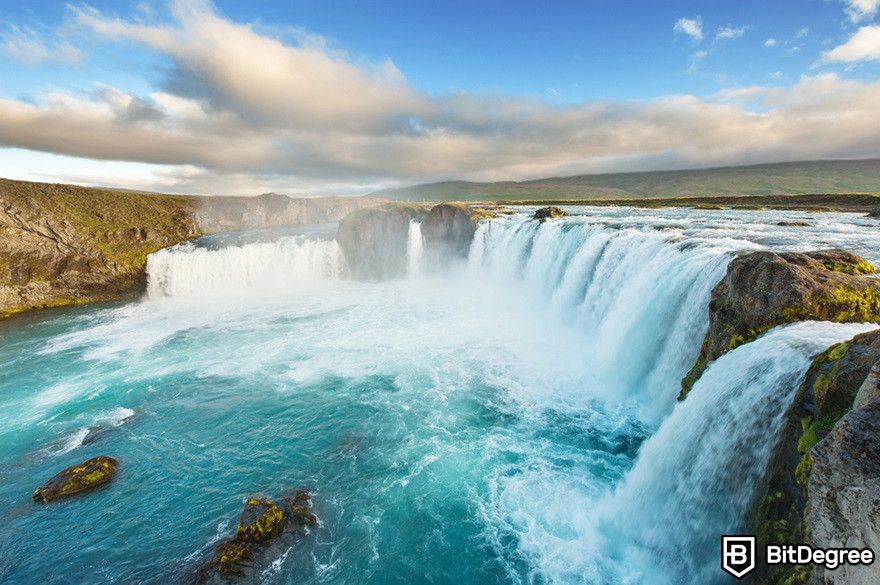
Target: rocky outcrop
{"points": [[549, 212], [765, 289], [449, 230], [77, 479], [264, 528], [792, 501], [375, 240], [843, 505], [63, 244]]}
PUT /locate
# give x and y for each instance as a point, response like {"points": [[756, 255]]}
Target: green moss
{"points": [[860, 267], [844, 305], [77, 478], [687, 383], [265, 520]]}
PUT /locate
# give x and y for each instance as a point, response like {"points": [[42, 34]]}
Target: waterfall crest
{"points": [[262, 267]]}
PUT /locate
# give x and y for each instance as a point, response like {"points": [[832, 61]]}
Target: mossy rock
{"points": [[77, 479], [260, 521], [549, 212], [764, 289], [263, 527], [299, 508]]}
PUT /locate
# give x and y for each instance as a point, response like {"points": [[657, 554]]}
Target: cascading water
{"points": [[186, 269], [512, 420], [414, 248]]}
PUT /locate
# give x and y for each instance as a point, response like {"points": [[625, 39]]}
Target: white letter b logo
{"points": [[738, 555]]}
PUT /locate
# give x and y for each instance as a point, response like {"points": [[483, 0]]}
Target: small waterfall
{"points": [[415, 248], [264, 267], [694, 478]]}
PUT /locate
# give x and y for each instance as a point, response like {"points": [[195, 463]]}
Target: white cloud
{"points": [[728, 33], [864, 45], [861, 9], [692, 27], [317, 120], [802, 33], [27, 46], [771, 42]]}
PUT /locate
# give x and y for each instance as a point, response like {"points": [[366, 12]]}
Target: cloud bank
{"points": [[241, 110]]}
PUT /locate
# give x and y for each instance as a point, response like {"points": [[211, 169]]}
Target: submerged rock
{"points": [[549, 212], [77, 479], [794, 224], [265, 529], [765, 289]]}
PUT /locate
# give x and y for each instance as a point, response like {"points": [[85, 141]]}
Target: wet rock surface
{"points": [[265, 530], [831, 387], [765, 289], [77, 479], [549, 212]]}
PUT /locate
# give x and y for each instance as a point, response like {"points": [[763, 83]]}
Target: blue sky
{"points": [[342, 97]]}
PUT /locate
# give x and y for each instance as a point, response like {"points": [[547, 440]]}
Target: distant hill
{"points": [[832, 177]]}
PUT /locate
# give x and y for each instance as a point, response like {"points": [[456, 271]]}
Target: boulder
{"points": [[794, 224], [449, 230], [549, 212], [765, 289], [265, 529], [77, 479]]}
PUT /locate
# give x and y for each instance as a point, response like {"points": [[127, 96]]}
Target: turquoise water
{"points": [[478, 426]]}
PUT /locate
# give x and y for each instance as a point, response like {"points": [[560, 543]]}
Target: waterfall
{"points": [[694, 478], [414, 248], [263, 267], [640, 298]]}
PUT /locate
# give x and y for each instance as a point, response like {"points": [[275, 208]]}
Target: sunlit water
{"points": [[511, 420]]}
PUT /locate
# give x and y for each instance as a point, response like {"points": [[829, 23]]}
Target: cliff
{"points": [[822, 483], [823, 480], [63, 244], [763, 289], [375, 241]]}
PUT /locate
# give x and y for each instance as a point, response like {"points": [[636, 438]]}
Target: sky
{"points": [[340, 97]]}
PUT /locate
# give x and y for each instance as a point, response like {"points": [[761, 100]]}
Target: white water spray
{"points": [[265, 267], [415, 248]]}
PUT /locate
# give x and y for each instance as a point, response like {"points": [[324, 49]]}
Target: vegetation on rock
{"points": [[77, 479], [65, 245], [261, 524], [825, 396], [765, 289], [549, 212]]}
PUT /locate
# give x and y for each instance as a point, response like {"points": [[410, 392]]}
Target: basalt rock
{"points": [[449, 230], [375, 240], [77, 479], [843, 505], [839, 379], [265, 529], [765, 289], [549, 212]]}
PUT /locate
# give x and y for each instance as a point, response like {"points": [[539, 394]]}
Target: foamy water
{"points": [[511, 420]]}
